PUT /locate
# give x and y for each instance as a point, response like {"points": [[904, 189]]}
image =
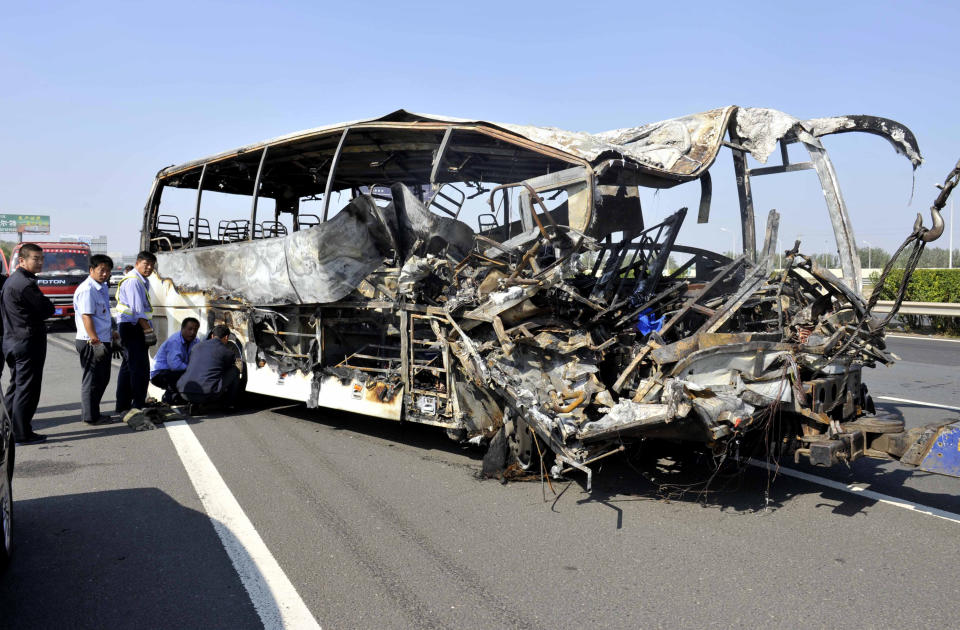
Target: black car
{"points": [[6, 488]]}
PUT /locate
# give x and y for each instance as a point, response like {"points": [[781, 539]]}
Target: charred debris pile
{"points": [[589, 347]]}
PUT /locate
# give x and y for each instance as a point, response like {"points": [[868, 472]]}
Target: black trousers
{"points": [[228, 391], [25, 358], [167, 381], [96, 375], [134, 374]]}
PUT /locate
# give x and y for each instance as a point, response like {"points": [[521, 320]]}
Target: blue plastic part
{"points": [[944, 455], [647, 322]]}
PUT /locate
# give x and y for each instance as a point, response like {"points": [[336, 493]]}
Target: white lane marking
{"points": [[917, 402], [273, 595], [922, 338], [855, 489]]}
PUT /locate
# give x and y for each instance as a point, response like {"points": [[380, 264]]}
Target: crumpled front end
{"points": [[591, 359]]}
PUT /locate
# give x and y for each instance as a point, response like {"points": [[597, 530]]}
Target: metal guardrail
{"points": [[920, 308]]}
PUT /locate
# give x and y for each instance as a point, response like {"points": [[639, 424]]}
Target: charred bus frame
{"points": [[527, 326]]}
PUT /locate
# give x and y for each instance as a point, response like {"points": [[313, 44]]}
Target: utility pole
{"points": [[950, 254], [733, 241], [869, 252]]}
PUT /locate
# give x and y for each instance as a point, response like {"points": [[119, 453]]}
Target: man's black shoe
{"points": [[103, 419], [32, 438]]}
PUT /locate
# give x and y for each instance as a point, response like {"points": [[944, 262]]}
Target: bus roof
{"points": [[676, 150]]}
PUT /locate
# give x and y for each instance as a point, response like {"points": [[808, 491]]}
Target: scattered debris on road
{"points": [[151, 418]]}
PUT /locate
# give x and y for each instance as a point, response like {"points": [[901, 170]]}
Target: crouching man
{"points": [[172, 358], [211, 375]]}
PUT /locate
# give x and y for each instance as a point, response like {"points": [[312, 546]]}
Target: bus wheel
{"points": [[457, 435]]}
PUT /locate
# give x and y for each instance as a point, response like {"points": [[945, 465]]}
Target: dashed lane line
{"points": [[859, 491], [273, 595]]}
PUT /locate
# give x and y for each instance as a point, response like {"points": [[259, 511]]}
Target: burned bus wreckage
{"points": [[355, 278]]}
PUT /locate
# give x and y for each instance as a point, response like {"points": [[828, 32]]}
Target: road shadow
{"points": [[890, 478], [246, 403], [116, 559], [671, 474], [42, 422], [415, 435], [62, 438], [664, 472], [942, 414], [687, 477], [73, 406]]}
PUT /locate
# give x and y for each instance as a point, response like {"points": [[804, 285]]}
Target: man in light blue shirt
{"points": [[136, 333], [95, 335], [172, 358]]}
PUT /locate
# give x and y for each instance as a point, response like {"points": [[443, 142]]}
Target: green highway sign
{"points": [[35, 223]]}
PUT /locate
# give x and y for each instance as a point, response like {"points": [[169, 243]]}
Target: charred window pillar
{"points": [[440, 157], [196, 214], [150, 214], [256, 194], [747, 221], [839, 217], [330, 174]]}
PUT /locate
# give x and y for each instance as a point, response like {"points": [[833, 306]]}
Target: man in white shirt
{"points": [[95, 335], [134, 313]]}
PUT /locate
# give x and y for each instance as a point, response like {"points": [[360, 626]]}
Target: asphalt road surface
{"points": [[376, 525]]}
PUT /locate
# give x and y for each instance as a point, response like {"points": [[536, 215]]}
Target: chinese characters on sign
{"points": [[33, 223]]}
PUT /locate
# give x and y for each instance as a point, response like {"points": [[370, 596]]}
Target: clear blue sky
{"points": [[98, 96]]}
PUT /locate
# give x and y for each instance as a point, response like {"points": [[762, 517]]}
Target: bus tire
{"points": [[522, 449]]}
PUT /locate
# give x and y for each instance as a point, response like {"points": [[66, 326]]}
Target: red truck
{"points": [[65, 266]]}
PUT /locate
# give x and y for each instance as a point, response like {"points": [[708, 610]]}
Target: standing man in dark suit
{"points": [[24, 309], [3, 359]]}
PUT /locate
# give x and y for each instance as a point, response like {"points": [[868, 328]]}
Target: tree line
{"points": [[877, 258]]}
